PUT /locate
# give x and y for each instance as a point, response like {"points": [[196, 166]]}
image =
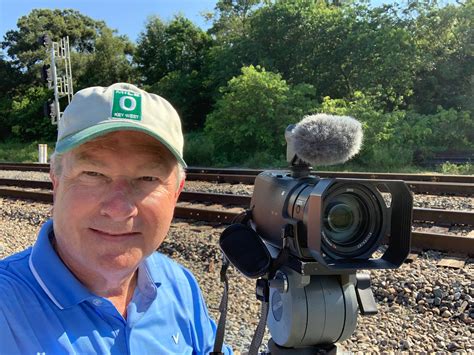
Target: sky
{"points": [[126, 16]]}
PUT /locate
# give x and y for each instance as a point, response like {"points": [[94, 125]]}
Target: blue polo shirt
{"points": [[45, 309]]}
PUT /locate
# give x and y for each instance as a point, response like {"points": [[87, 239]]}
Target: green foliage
{"points": [[457, 169], [400, 138], [170, 57], [231, 19], [26, 118], [445, 45], [442, 131], [11, 77], [337, 49], [98, 57], [381, 141], [198, 149], [166, 47], [15, 151], [253, 113], [22, 44], [185, 91], [264, 160], [108, 63]]}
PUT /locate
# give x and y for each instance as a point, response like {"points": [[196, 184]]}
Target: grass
{"points": [[12, 151], [22, 152]]}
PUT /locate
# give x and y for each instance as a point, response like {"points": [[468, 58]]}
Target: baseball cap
{"points": [[97, 110]]}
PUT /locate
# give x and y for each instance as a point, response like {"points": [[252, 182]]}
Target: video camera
{"points": [[304, 238]]}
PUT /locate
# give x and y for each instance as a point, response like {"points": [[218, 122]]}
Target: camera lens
{"points": [[342, 218], [351, 221]]}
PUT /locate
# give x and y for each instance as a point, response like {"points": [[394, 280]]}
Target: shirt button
{"points": [[97, 302]]}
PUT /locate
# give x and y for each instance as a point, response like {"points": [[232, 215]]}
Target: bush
{"points": [[457, 169], [382, 145], [198, 149], [264, 160], [400, 138], [253, 113], [26, 119]]}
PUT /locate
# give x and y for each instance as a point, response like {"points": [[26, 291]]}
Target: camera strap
{"points": [[219, 341]]}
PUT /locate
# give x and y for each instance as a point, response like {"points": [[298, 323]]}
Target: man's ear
{"points": [[54, 180], [180, 188]]}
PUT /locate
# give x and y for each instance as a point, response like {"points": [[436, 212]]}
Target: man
{"points": [[93, 283]]}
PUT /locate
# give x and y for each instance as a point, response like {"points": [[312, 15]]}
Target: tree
{"points": [[186, 93], [170, 58], [26, 119], [165, 47], [110, 61], [231, 19], [337, 49], [445, 43], [253, 113], [22, 44], [11, 76], [98, 57]]}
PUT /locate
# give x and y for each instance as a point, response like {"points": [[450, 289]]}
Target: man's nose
{"points": [[119, 203]]}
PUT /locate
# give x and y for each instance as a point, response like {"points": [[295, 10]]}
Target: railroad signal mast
{"points": [[58, 74]]}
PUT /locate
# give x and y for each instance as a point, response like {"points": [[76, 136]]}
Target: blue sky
{"points": [[126, 16]]}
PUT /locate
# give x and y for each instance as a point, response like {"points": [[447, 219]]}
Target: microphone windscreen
{"points": [[324, 139]]}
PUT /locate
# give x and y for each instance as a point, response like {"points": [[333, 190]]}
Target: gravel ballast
{"points": [[423, 307]]}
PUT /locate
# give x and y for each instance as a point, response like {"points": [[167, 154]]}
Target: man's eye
{"points": [[92, 174], [149, 178]]}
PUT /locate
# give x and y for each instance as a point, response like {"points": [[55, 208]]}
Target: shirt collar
{"points": [[147, 283], [60, 284]]}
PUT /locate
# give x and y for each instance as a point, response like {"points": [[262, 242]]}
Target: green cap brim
{"points": [[90, 133]]}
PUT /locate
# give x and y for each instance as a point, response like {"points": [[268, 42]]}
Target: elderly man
{"points": [[93, 283]]}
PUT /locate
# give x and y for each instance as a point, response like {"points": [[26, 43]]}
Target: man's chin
{"points": [[112, 263]]}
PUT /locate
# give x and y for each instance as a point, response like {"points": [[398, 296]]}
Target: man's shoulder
{"points": [[14, 276], [13, 262]]}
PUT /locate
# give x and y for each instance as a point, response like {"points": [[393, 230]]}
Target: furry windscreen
{"points": [[326, 139]]}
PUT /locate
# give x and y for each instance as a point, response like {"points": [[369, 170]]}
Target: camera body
{"points": [[338, 223]]}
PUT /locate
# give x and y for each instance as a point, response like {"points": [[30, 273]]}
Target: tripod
{"points": [[309, 314]]}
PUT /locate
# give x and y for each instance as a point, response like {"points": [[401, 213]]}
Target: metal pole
{"points": [[54, 120], [42, 153], [68, 53]]}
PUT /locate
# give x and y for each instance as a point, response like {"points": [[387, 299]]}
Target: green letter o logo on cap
{"points": [[123, 105]]}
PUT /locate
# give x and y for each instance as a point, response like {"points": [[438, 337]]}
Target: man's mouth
{"points": [[114, 235]]}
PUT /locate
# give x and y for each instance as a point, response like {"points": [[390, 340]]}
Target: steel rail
{"points": [[25, 167], [197, 173]]}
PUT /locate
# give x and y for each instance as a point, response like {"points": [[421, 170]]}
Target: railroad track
{"points": [[187, 209], [418, 183]]}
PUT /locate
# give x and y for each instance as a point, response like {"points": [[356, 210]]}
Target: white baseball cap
{"points": [[98, 110]]}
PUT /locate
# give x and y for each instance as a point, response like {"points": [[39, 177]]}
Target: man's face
{"points": [[114, 201]]}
